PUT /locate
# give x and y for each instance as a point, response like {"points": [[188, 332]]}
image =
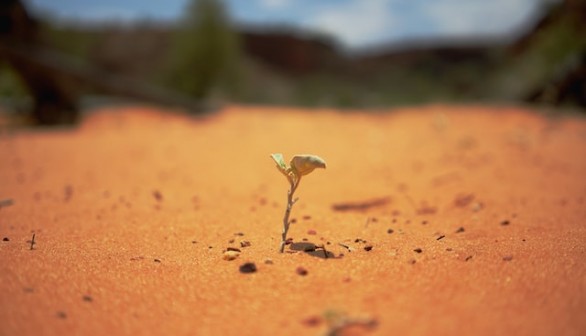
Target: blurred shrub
{"points": [[204, 56], [13, 93]]}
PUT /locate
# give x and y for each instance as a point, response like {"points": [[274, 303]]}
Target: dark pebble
{"points": [[312, 321], [505, 223], [5, 239], [157, 260], [157, 195], [418, 250], [301, 271], [248, 268], [389, 231], [460, 229], [87, 298], [368, 248], [245, 243]]}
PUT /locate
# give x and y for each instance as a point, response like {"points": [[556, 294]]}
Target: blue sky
{"points": [[355, 23]]}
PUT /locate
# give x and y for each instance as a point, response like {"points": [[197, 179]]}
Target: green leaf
{"points": [[281, 165], [306, 163]]}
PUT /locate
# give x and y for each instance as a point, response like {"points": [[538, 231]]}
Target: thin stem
{"points": [[294, 183]]}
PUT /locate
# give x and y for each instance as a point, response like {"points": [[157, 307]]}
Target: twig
{"points": [[323, 247], [346, 247], [294, 182], [33, 242]]}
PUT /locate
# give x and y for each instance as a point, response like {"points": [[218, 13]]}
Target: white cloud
{"points": [[473, 17], [356, 23], [274, 4]]}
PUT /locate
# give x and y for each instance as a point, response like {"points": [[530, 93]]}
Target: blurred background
{"points": [[58, 58]]}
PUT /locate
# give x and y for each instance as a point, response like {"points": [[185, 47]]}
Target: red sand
{"points": [[132, 186]]}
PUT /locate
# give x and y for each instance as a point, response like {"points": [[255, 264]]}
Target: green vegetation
{"points": [[205, 52]]}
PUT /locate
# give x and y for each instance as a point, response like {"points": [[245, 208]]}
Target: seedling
{"points": [[299, 166]]}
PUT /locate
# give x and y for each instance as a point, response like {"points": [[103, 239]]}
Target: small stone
{"points": [[157, 260], [301, 271], [463, 200], [312, 321], [5, 239], [87, 298], [477, 207], [248, 267], [245, 243], [233, 249], [505, 223], [157, 195], [418, 250], [368, 248], [231, 255], [389, 231], [460, 229], [306, 217]]}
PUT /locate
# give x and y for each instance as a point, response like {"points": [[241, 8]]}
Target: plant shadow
{"points": [[312, 249]]}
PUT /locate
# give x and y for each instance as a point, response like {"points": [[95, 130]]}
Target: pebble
{"points": [[248, 267], [231, 255], [301, 271]]}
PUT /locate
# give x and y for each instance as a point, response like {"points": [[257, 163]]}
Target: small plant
{"points": [[299, 166]]}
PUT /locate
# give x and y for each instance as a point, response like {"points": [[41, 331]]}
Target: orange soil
{"points": [[132, 185]]}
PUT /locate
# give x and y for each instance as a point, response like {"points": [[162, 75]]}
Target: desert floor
{"points": [[435, 220]]}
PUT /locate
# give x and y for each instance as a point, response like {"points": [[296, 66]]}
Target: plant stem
{"points": [[290, 201]]}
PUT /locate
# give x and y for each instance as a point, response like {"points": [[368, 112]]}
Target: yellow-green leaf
{"points": [[281, 165], [306, 163]]}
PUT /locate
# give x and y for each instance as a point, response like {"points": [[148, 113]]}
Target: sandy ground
{"points": [[437, 220]]}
